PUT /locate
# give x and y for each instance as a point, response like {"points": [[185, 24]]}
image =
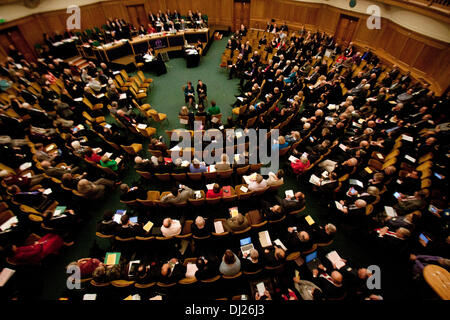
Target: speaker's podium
{"points": [[192, 56]]}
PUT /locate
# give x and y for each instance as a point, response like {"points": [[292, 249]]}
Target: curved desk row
{"points": [[160, 42]]}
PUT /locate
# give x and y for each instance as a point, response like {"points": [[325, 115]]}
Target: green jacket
{"points": [[112, 164]]}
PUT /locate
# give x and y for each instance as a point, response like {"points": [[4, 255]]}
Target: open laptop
{"points": [[246, 245], [312, 261]]}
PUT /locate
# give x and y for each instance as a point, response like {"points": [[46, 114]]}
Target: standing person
{"points": [[202, 93], [188, 91]]}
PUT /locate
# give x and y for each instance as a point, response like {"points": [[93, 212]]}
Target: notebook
{"points": [[59, 210], [309, 220], [243, 189], [312, 261], [90, 296], [292, 159], [112, 258], [148, 226], [246, 245]]}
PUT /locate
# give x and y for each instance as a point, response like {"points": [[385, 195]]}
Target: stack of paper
{"points": [[108, 154], [7, 225], [198, 194], [5, 275], [191, 269], [390, 211], [233, 211], [339, 206], [356, 182], [210, 186], [59, 210], [90, 296], [218, 226], [158, 297], [280, 244], [261, 288], [293, 159], [142, 126], [289, 193], [264, 239], [335, 259], [25, 166], [314, 180], [243, 189]]}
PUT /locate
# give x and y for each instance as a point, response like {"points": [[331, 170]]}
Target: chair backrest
{"points": [[213, 201], [225, 174], [195, 176], [165, 177]]}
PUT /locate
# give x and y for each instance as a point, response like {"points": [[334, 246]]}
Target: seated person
{"points": [[331, 285], [300, 165], [280, 144], [171, 227], [35, 253], [200, 228], [215, 192], [251, 262], [35, 199], [172, 271], [70, 181], [207, 268], [269, 212], [275, 179], [324, 234], [94, 190], [182, 195], [236, 223], [22, 182], [290, 204], [56, 172], [146, 273], [127, 229], [107, 226], [298, 241], [274, 256], [231, 265], [224, 165], [196, 166], [357, 208], [86, 266], [257, 183], [108, 163], [41, 155], [143, 164], [90, 155], [407, 204], [130, 194]]}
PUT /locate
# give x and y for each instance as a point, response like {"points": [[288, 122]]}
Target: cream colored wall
{"points": [[18, 10], [408, 19], [405, 18]]}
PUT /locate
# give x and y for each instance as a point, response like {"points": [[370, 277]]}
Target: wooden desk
{"points": [[161, 42], [439, 279]]}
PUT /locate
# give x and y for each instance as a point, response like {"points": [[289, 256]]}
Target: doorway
{"points": [[137, 15], [14, 36], [241, 14], [345, 29]]}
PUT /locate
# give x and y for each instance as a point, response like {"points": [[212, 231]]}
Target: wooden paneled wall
{"points": [[425, 57]]}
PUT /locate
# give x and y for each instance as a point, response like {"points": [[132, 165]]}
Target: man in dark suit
{"points": [[172, 271], [289, 204]]}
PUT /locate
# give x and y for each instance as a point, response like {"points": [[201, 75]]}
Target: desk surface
{"points": [[439, 279]]}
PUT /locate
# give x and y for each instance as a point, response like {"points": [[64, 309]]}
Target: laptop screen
{"points": [[246, 241], [311, 256], [134, 219]]}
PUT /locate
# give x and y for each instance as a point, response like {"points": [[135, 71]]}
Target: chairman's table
{"points": [[160, 42], [66, 48]]}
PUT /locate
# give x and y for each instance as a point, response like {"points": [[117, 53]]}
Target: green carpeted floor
{"points": [[167, 96]]}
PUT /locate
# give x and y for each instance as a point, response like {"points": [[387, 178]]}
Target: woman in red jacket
{"points": [[215, 192], [90, 155], [33, 254], [300, 165]]}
